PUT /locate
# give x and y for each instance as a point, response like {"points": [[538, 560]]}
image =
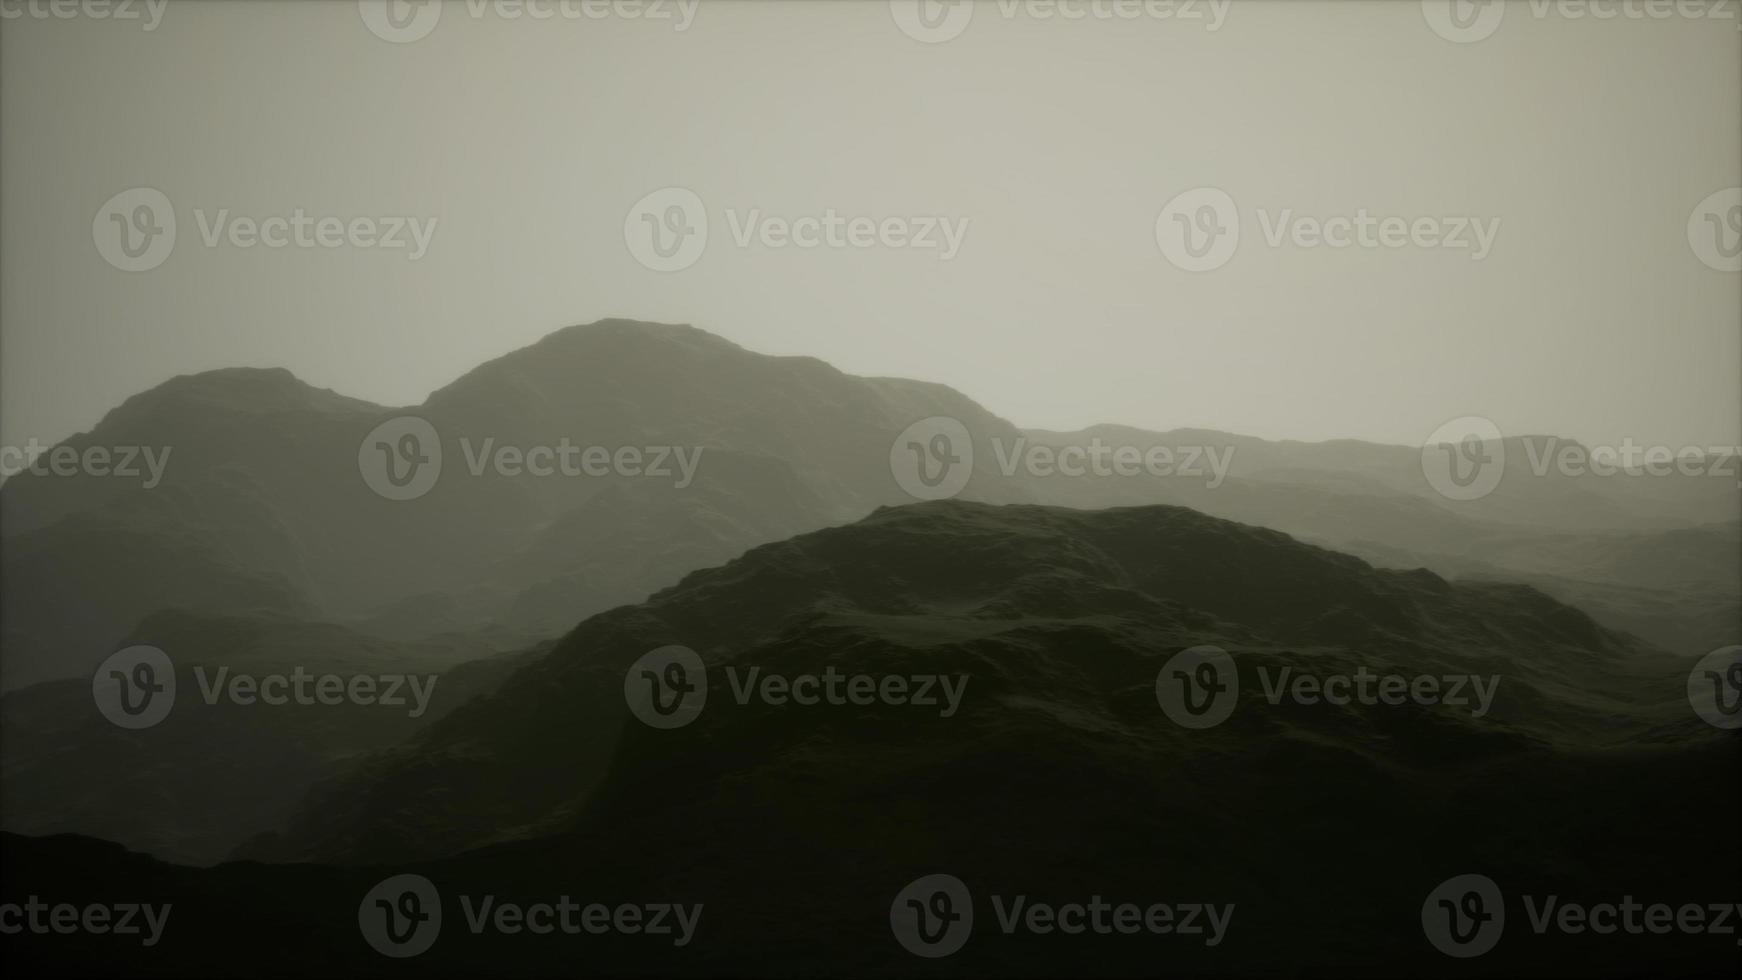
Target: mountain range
{"points": [[784, 540]]}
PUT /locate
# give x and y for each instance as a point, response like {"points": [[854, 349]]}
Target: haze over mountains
{"points": [[264, 543], [260, 507], [1051, 774]]}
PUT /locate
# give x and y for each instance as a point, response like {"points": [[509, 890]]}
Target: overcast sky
{"points": [[1591, 309]]}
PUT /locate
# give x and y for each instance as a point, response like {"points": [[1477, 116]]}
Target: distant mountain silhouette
{"points": [[263, 517]]}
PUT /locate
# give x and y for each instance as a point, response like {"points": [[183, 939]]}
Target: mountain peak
{"points": [[243, 390]]}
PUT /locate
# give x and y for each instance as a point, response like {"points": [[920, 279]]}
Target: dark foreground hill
{"points": [[1052, 772]]}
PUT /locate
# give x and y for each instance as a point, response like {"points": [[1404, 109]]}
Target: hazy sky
{"points": [[1058, 141]]}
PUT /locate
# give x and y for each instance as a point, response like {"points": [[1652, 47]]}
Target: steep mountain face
{"points": [[221, 768], [1059, 621]]}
